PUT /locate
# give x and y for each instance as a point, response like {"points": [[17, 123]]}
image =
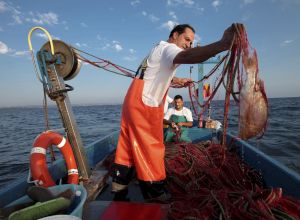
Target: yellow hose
{"points": [[46, 32]]}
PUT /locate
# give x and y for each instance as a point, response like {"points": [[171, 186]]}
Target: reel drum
{"points": [[70, 64]]}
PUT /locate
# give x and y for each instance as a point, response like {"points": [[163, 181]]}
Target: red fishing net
{"points": [[207, 181]]}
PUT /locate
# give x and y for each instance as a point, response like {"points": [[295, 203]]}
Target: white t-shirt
{"points": [[159, 72], [167, 102], [183, 112]]}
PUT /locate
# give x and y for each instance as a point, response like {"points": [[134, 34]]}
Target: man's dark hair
{"points": [[180, 29], [178, 97]]}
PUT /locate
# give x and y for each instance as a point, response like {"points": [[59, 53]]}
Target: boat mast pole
{"points": [[200, 83], [63, 103]]}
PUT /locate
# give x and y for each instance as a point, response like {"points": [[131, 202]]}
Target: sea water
{"points": [[20, 126]]}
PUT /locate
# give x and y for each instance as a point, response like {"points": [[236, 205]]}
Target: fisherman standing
{"points": [[140, 144]]}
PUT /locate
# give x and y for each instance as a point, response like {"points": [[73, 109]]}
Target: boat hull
{"points": [[274, 173]]}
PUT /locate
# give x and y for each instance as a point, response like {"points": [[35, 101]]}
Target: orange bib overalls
{"points": [[141, 136], [140, 146]]}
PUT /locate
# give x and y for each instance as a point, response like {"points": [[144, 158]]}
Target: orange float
{"points": [[38, 163]]}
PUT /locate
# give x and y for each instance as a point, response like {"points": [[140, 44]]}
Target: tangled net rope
{"points": [[104, 64], [208, 182]]}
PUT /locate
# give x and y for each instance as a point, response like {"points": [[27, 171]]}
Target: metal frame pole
{"points": [[58, 93]]}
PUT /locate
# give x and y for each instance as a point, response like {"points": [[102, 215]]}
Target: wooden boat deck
{"points": [[104, 206]]}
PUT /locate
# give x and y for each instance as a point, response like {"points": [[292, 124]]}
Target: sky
{"points": [[123, 32]]}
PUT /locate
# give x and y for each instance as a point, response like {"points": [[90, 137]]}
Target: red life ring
{"points": [[38, 163]]}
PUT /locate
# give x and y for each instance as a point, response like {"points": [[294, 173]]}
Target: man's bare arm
{"points": [[200, 54]]}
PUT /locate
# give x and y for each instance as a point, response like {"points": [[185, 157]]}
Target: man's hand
{"points": [[185, 124], [230, 34], [181, 81], [185, 81], [173, 124]]}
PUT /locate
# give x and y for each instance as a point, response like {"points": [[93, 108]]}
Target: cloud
{"points": [[81, 45], [130, 58], [132, 51], [173, 15], [245, 3], [169, 25], [286, 43], [3, 48], [17, 19], [15, 13], [22, 53], [135, 2], [112, 45], [246, 17], [8, 7], [151, 17], [49, 18], [186, 3], [106, 46], [117, 47], [99, 37], [66, 27], [82, 24], [44, 36], [216, 4], [189, 2], [3, 7], [201, 9]]}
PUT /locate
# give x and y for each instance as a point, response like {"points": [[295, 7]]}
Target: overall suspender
{"points": [[142, 68]]}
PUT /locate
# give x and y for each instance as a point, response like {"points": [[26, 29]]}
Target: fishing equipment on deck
{"points": [[57, 62], [38, 164], [41, 201], [69, 63], [41, 209]]}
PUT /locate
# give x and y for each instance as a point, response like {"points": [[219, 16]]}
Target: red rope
{"points": [[207, 182]]}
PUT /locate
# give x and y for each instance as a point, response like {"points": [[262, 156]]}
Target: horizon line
{"points": [[52, 104]]}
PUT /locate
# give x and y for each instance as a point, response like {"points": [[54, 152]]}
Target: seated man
{"points": [[178, 117], [168, 101]]}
